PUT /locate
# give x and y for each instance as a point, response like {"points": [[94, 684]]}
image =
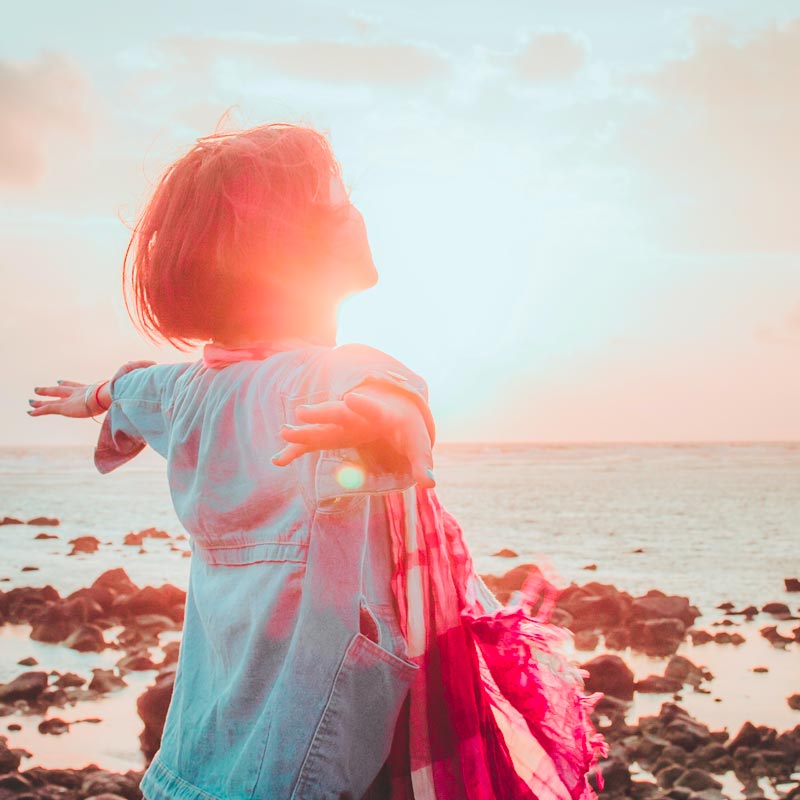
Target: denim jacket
{"points": [[292, 668]]}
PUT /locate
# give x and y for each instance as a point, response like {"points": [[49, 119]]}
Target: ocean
{"points": [[713, 522]]}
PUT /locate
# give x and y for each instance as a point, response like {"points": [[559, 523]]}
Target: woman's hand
{"points": [[70, 395], [373, 415]]}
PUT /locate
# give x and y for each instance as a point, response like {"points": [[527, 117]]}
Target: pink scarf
{"points": [[496, 711]]}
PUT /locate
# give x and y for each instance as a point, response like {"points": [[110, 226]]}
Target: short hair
{"points": [[230, 226]]}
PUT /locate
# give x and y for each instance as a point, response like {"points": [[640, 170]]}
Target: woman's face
{"points": [[355, 262]]}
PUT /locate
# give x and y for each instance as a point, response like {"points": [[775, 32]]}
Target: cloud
{"points": [[720, 137], [323, 61], [785, 332], [549, 56], [40, 99]]}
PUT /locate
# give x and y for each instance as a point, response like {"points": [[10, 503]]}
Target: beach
{"points": [[620, 527]]}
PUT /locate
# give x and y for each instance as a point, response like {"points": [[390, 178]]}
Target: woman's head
{"points": [[248, 235]]}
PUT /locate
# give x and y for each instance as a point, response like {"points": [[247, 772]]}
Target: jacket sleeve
{"points": [[139, 415], [367, 469]]}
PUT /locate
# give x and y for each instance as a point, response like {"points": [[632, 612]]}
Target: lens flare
{"points": [[350, 476]]}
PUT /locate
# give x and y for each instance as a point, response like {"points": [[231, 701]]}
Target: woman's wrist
{"points": [[97, 398]]}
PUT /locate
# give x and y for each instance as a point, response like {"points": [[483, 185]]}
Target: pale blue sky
{"points": [[583, 213]]}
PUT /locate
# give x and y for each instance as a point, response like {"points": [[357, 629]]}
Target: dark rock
{"points": [[155, 623], [24, 603], [611, 675], [791, 584], [11, 521], [84, 544], [590, 567], [151, 600], [707, 794], [586, 640], [794, 701], [709, 752], [30, 661], [44, 521], [13, 726], [657, 605], [53, 624], [749, 611], [776, 608], [29, 568], [617, 639], [658, 684], [105, 680], [697, 780], [9, 759], [171, 653], [116, 581], [562, 617], [699, 636], [86, 638], [603, 612], [54, 726], [687, 733], [27, 686], [505, 553], [679, 793], [770, 633], [760, 669], [106, 796], [612, 707], [644, 790], [152, 706], [135, 662], [15, 783], [657, 637], [748, 736], [69, 679], [65, 778], [502, 587], [102, 782], [46, 536], [136, 539], [685, 671], [616, 777], [666, 776]]}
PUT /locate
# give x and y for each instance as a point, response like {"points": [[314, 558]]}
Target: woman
{"points": [[323, 651]]}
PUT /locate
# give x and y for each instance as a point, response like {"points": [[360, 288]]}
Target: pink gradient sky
{"points": [[585, 218]]}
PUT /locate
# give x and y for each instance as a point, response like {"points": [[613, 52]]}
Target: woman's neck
{"points": [[319, 331]]}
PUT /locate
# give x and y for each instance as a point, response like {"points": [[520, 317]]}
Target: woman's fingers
{"points": [[366, 407], [289, 454], [41, 407], [419, 454], [61, 390], [332, 412], [324, 437]]}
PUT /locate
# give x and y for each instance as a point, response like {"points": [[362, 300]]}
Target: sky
{"points": [[584, 215]]}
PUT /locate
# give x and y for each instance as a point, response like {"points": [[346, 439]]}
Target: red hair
{"points": [[231, 227]]}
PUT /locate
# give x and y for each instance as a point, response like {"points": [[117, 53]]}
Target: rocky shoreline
{"points": [[681, 757]]}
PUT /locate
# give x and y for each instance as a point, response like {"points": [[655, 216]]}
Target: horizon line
{"points": [[518, 442]]}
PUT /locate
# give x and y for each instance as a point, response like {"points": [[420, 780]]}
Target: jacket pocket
{"points": [[354, 735]]}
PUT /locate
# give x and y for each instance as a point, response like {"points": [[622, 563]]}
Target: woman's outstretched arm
{"points": [[73, 399]]}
